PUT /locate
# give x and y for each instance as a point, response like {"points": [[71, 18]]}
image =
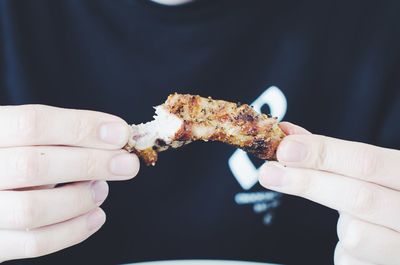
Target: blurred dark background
{"points": [[336, 62]]}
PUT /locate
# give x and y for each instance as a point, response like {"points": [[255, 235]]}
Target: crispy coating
{"points": [[207, 119]]}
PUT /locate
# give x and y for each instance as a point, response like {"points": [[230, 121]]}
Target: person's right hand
{"points": [[42, 146]]}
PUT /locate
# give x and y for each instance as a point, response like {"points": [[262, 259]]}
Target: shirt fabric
{"points": [[335, 63]]}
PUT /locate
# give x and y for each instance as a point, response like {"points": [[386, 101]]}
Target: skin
{"points": [[360, 181], [42, 146]]}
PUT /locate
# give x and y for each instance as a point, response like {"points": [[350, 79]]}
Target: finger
{"points": [[44, 125], [376, 244], [38, 242], [42, 187], [357, 160], [343, 258], [290, 128], [34, 166], [370, 202], [37, 208]]}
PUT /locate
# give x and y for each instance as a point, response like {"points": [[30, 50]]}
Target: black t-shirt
{"points": [[329, 66]]}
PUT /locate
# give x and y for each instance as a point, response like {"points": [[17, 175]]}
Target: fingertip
{"points": [[136, 163], [350, 231], [124, 166], [290, 128], [100, 190], [115, 133], [103, 215], [292, 149], [262, 170], [96, 219], [271, 174], [262, 175]]}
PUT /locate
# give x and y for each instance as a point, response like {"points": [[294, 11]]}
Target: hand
{"points": [[361, 181], [41, 146]]}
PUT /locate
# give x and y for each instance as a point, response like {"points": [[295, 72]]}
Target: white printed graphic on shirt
{"points": [[243, 169], [240, 164]]}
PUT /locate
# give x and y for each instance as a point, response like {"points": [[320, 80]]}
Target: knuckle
{"points": [[321, 159], [303, 184], [27, 165], [33, 247], [91, 165], [368, 163], [27, 123], [25, 212], [363, 200], [82, 197], [81, 130]]}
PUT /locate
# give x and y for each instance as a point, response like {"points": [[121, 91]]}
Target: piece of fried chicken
{"points": [[185, 118]]}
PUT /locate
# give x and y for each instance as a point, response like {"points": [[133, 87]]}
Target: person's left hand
{"points": [[361, 181]]}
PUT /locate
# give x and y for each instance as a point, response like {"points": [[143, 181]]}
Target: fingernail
{"points": [[96, 219], [115, 133], [124, 165], [291, 151], [272, 176], [99, 190]]}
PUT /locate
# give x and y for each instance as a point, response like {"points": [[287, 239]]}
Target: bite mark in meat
{"points": [[186, 118]]}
